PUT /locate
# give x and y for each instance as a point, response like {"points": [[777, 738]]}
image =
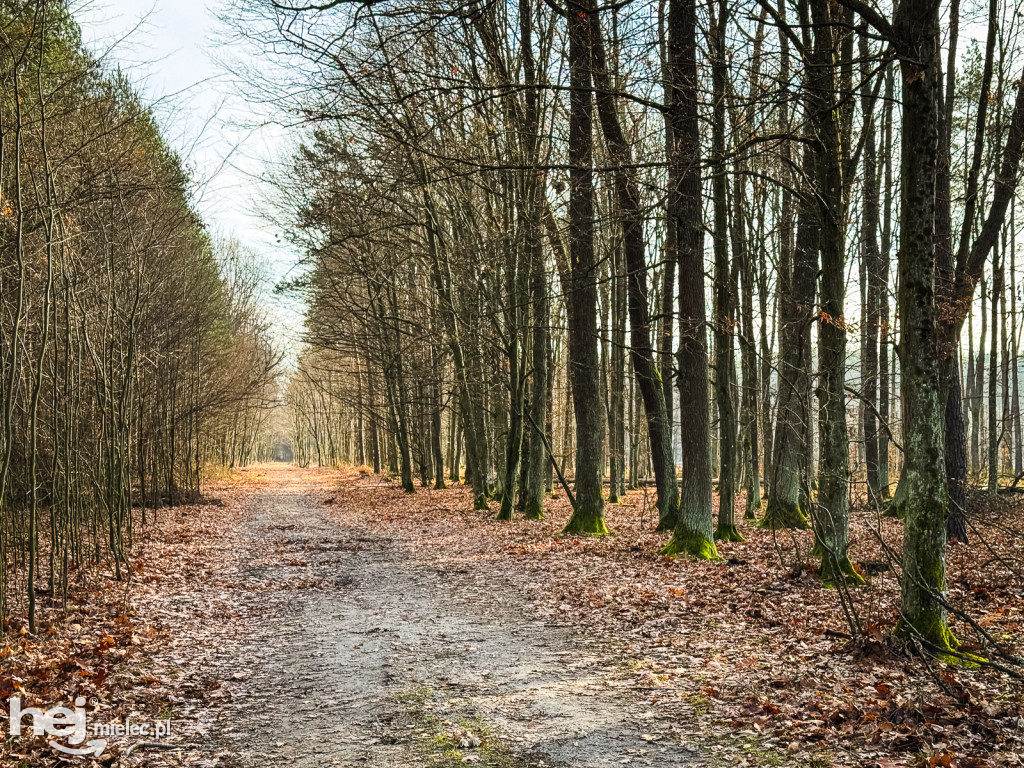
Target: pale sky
{"points": [[166, 48]]}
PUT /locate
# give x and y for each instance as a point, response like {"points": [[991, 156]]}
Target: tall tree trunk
{"points": [[634, 247], [399, 408], [539, 427], [470, 410], [537, 459], [750, 390], [435, 435], [923, 614], [617, 378], [954, 437], [993, 377], [969, 394], [979, 381], [788, 502], [883, 296], [1005, 430], [374, 431], [872, 258], [1018, 438], [517, 395], [360, 444], [956, 460], [693, 533], [767, 356], [671, 258], [588, 511], [725, 363], [831, 510]]}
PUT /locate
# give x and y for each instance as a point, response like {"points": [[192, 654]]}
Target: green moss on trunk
{"points": [[586, 523], [783, 515], [898, 506], [534, 509], [728, 533], [923, 613], [931, 631], [508, 505], [691, 544], [841, 572], [480, 501], [667, 520]]}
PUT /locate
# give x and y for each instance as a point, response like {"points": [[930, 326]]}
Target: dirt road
{"points": [[345, 650]]}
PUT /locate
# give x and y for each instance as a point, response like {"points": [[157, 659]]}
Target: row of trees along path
{"points": [[134, 353], [544, 242], [706, 243]]}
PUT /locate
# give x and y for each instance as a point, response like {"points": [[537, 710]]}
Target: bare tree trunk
{"points": [[923, 614], [790, 479], [725, 362], [993, 376], [831, 510], [693, 533], [872, 258], [977, 411], [1018, 438], [588, 511], [634, 247], [883, 296], [788, 502], [537, 463]]}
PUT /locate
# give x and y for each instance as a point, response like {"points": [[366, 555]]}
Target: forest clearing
{"points": [[511, 383]]}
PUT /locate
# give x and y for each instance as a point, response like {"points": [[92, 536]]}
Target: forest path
{"points": [[354, 652]]}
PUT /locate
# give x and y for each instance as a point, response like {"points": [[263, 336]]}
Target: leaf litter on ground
{"points": [[750, 654]]}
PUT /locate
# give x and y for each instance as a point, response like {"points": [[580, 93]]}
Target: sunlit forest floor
{"points": [[321, 617]]}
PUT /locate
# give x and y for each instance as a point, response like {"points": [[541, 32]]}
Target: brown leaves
{"points": [[757, 647], [102, 647], [705, 635]]}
